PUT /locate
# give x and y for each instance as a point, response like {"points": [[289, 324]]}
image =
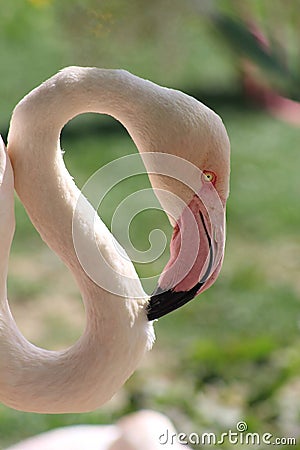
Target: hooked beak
{"points": [[196, 256]]}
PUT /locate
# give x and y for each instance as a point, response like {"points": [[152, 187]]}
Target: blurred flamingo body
{"points": [[146, 429]]}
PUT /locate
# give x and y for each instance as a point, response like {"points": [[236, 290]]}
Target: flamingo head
{"points": [[191, 180]]}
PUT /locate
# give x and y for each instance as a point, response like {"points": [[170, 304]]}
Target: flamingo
{"points": [[163, 123], [144, 429]]}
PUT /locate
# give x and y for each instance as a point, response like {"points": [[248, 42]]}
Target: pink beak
{"points": [[196, 254]]}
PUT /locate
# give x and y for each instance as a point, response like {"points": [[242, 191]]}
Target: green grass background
{"points": [[233, 353]]}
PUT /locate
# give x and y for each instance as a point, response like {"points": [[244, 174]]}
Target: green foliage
{"points": [[267, 35]]}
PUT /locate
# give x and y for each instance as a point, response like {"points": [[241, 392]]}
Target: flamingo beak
{"points": [[196, 256]]}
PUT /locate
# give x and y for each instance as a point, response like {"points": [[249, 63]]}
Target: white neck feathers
{"points": [[117, 332]]}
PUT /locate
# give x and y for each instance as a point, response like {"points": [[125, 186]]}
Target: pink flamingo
{"points": [[119, 328]]}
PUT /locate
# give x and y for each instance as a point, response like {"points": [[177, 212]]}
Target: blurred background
{"points": [[234, 353]]}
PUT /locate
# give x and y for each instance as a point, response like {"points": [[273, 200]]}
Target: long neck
{"points": [[35, 151], [42, 181], [117, 332]]}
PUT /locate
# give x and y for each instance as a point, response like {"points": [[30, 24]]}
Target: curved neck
{"points": [[78, 90], [33, 141], [117, 331], [34, 144]]}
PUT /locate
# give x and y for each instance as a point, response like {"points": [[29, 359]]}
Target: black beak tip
{"points": [[163, 302]]}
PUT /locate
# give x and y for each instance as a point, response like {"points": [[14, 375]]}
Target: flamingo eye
{"points": [[209, 176]]}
